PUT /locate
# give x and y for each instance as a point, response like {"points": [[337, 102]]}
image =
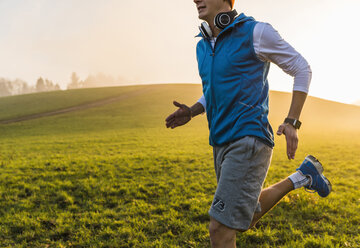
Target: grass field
{"points": [[114, 176]]}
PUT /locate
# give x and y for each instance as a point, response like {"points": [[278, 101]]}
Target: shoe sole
{"points": [[316, 163], [328, 184], [320, 169]]}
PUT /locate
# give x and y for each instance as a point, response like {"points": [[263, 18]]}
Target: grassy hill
{"points": [[114, 176], [21, 105], [317, 112]]}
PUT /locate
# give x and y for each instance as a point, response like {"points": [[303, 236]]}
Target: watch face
{"points": [[293, 122]]}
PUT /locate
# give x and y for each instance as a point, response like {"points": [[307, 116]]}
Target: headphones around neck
{"points": [[221, 21]]}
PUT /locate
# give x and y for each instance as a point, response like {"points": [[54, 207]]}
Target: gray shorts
{"points": [[241, 168]]}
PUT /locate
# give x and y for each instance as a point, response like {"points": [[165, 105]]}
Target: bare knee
{"points": [[221, 235]]}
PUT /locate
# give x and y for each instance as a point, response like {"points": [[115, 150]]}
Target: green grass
{"points": [[114, 176], [21, 105]]}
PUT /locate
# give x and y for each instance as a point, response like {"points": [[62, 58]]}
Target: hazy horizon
{"points": [[153, 41]]}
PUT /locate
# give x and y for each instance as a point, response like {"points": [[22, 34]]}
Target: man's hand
{"points": [[179, 117], [291, 139]]}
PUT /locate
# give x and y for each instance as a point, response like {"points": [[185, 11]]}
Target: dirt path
{"points": [[78, 107]]}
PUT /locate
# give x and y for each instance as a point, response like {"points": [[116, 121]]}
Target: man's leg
{"points": [[270, 196], [241, 168], [221, 236], [308, 175]]}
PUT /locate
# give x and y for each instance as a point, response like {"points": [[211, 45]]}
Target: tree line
{"points": [[18, 86], [98, 80]]}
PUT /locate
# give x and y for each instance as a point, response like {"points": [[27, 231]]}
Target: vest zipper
{"points": [[212, 55]]}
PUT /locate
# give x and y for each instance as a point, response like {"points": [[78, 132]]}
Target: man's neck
{"points": [[215, 31]]}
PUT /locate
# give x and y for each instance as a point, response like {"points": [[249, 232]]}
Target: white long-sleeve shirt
{"points": [[269, 46]]}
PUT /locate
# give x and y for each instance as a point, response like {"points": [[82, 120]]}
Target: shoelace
{"points": [[310, 190]]}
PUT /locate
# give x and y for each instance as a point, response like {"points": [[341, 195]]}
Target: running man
{"points": [[234, 55]]}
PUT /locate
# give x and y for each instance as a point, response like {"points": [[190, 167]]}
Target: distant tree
{"points": [[95, 80], [40, 85], [74, 84], [99, 80], [48, 85], [18, 86], [5, 87], [90, 81], [26, 89]]}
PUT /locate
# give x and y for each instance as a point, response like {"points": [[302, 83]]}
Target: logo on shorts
{"points": [[218, 205]]}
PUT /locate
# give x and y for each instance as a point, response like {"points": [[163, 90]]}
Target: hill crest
{"points": [[317, 112]]}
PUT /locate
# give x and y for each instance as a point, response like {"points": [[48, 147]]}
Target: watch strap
{"points": [[293, 122]]}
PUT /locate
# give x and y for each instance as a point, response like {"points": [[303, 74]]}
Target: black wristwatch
{"points": [[293, 122]]}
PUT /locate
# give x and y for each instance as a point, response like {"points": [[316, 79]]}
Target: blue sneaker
{"points": [[318, 182]]}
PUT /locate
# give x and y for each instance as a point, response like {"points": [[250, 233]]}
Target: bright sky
{"points": [[152, 41]]}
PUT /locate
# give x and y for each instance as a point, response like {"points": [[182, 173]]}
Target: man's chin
{"points": [[202, 16]]}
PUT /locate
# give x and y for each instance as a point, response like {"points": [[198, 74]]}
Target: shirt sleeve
{"points": [[202, 101], [270, 46]]}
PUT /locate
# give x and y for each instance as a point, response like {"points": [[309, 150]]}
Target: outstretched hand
{"points": [[179, 117], [291, 139]]}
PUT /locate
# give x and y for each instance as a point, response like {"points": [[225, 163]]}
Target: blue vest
{"points": [[235, 85]]}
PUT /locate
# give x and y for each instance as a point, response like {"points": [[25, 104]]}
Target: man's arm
{"points": [[297, 103], [183, 114], [197, 109], [270, 46]]}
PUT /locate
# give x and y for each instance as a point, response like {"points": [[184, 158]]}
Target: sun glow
{"points": [[153, 41]]}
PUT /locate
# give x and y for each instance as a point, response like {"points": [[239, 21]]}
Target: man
{"points": [[233, 62]]}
